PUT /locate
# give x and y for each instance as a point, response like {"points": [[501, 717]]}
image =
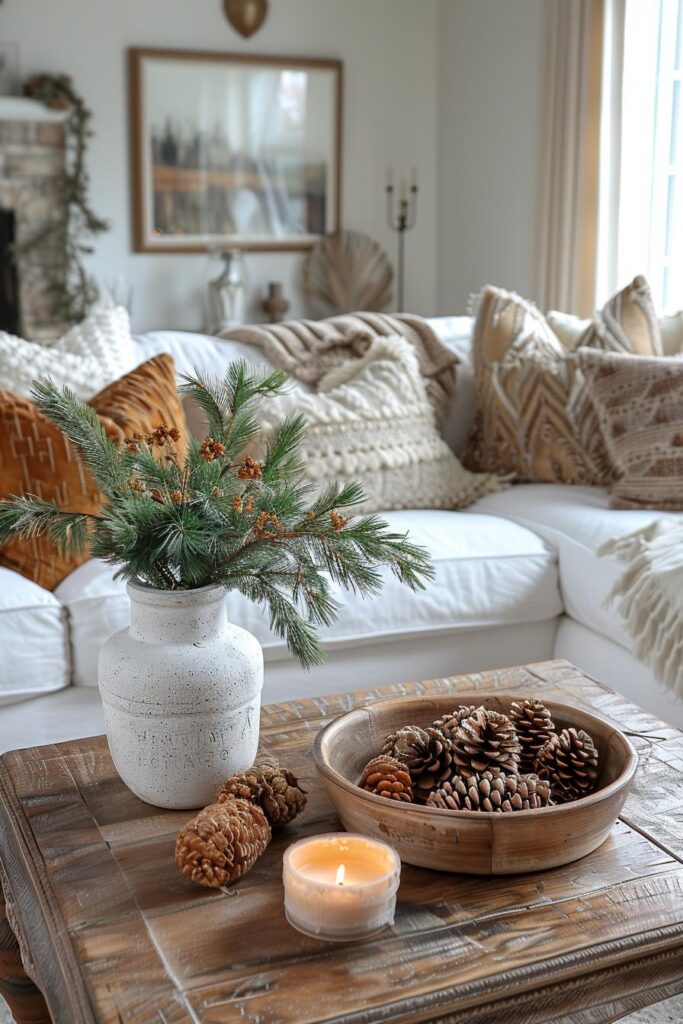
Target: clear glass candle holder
{"points": [[340, 887]]}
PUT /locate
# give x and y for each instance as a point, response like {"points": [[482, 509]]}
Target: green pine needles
{"points": [[212, 514]]}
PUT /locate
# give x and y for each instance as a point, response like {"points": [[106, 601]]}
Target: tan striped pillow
{"points": [[535, 418], [639, 403]]}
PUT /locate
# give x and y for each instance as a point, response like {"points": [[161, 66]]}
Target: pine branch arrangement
{"points": [[217, 515]]}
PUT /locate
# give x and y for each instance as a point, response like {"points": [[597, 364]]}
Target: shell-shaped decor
{"points": [[246, 16], [346, 272]]}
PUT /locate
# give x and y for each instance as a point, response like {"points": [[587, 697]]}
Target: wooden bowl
{"points": [[481, 842]]}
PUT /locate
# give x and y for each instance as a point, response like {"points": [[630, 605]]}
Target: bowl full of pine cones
{"points": [[489, 786]]}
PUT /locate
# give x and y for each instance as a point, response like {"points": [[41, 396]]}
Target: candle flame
{"points": [[341, 871]]}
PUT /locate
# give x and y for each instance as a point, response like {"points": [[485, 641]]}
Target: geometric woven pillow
{"points": [[36, 458], [639, 403], [535, 417]]}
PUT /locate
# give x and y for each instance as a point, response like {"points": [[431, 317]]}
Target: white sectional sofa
{"points": [[517, 580]]}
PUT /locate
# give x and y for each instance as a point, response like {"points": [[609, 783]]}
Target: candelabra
{"points": [[401, 218]]}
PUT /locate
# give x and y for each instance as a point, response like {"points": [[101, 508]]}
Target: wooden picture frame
{"points": [[195, 189]]}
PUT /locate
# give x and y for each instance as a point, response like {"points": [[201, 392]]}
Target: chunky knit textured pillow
{"points": [[535, 418], [639, 403], [35, 458], [371, 420], [90, 355]]}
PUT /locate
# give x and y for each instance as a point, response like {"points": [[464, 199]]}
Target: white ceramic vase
{"points": [[181, 690]]}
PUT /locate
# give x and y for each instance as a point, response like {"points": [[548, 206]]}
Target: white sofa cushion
{"points": [[192, 351], [96, 606], [576, 521], [33, 639], [609, 662], [455, 332], [489, 572]]}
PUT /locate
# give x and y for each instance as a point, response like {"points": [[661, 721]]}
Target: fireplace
{"points": [[9, 279], [31, 187]]}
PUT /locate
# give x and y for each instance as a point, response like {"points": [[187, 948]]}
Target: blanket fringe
{"points": [[649, 597]]}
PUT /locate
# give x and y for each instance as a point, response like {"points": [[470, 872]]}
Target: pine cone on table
{"points": [[447, 724], [222, 843], [276, 790], [570, 764], [426, 753], [534, 727], [386, 776], [488, 792], [486, 741]]}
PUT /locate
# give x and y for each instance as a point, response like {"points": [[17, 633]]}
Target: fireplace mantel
{"points": [[21, 108]]}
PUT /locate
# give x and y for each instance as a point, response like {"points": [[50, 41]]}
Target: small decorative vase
{"points": [[181, 690], [227, 293], [275, 304]]}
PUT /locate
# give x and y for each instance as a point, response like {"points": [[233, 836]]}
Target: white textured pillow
{"points": [[89, 356], [371, 420]]}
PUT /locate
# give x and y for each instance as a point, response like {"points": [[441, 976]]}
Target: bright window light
{"points": [[649, 224]]}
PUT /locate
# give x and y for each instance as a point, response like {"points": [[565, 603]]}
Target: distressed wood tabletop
{"points": [[109, 931]]}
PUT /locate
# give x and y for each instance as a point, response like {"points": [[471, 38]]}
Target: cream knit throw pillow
{"points": [[371, 421], [89, 356]]}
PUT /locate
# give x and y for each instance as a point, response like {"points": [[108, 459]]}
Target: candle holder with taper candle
{"points": [[401, 219]]}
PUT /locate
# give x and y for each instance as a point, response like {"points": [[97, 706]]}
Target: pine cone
{"points": [[570, 763], [386, 776], [488, 792], [276, 790], [426, 753], [534, 727], [222, 843], [447, 724], [486, 741]]}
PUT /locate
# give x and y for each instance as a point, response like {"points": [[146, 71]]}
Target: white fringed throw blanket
{"points": [[650, 596]]}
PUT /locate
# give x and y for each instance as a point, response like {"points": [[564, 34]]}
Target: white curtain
{"points": [[568, 214]]}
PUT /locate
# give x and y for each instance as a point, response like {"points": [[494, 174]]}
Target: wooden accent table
{"points": [[111, 932]]}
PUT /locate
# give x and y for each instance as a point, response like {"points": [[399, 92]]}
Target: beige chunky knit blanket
{"points": [[309, 349], [649, 596]]}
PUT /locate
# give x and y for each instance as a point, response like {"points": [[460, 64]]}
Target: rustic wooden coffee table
{"points": [[109, 931]]}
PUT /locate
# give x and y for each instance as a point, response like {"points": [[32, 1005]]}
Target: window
{"points": [[641, 227], [666, 233]]}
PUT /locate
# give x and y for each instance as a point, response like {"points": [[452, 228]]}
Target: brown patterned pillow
{"points": [[35, 458], [535, 418], [639, 403]]}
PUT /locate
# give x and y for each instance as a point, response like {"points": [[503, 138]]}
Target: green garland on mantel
{"points": [[58, 248]]}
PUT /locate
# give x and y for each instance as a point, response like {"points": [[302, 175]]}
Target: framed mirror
{"points": [[232, 150]]}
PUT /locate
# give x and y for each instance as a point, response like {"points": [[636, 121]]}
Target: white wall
{"points": [[389, 49], [490, 65]]}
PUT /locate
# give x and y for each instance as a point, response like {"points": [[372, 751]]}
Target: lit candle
{"points": [[340, 886]]}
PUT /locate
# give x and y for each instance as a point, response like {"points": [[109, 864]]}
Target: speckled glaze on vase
{"points": [[181, 690]]}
